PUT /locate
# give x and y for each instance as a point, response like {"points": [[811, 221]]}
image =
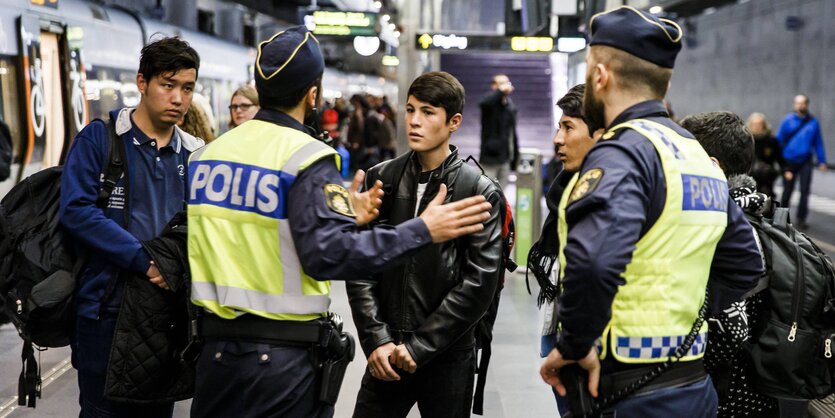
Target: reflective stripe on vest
{"points": [[666, 278], [241, 250]]}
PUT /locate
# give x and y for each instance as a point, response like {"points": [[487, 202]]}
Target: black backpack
{"points": [[39, 263], [467, 186], [790, 351]]}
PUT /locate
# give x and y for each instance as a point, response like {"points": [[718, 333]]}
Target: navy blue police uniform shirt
{"points": [[605, 226], [329, 244]]}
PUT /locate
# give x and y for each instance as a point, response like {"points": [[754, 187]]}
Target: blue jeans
{"points": [[803, 174], [90, 354]]}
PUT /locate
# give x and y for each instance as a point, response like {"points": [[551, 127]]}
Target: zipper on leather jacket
{"points": [[799, 287]]}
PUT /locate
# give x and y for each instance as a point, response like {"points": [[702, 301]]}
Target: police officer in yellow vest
{"points": [[269, 225], [642, 226]]}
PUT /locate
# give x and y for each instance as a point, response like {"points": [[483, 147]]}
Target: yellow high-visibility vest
{"points": [[665, 281], [241, 252]]}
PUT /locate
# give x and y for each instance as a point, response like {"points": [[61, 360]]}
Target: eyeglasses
{"points": [[243, 106]]}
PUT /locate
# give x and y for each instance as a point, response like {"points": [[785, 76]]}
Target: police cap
{"points": [[288, 61], [638, 33]]}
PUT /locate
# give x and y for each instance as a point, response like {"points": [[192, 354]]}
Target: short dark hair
{"points": [[167, 55], [291, 99], [725, 137], [571, 103], [440, 89], [634, 74]]}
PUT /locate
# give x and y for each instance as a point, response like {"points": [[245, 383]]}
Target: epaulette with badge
{"points": [[338, 200], [586, 184]]}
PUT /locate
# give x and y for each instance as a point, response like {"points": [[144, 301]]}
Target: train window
{"points": [[109, 89], [10, 103]]}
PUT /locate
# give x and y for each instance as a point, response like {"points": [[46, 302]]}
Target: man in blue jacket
{"points": [[152, 190], [800, 136]]}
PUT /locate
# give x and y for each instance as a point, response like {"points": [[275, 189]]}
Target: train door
{"points": [[53, 100], [53, 84], [34, 102]]}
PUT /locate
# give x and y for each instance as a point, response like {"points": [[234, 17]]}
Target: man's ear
{"points": [[455, 122], [312, 94], [602, 77], [141, 83], [717, 162]]}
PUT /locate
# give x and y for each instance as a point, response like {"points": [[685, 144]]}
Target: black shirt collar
{"points": [[649, 108], [282, 119]]}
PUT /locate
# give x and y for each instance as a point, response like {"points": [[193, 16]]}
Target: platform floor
{"points": [[514, 388]]}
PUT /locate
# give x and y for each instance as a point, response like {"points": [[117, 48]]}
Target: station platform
{"points": [[514, 388]]}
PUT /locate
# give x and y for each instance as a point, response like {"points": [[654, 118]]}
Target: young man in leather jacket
{"points": [[416, 321]]}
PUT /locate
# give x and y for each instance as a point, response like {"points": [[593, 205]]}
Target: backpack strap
{"points": [[467, 181], [466, 185], [781, 219], [391, 183], [115, 165], [29, 382]]}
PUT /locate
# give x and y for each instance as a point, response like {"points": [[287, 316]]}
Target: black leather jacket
{"points": [[431, 302]]}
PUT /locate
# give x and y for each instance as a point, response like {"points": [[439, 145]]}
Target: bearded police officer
{"points": [[269, 224], [642, 226]]}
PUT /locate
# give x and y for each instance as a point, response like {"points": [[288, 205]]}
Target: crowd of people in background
{"points": [[362, 129], [769, 164]]}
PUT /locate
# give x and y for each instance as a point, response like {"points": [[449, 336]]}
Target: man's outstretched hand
{"points": [[452, 220], [366, 204]]}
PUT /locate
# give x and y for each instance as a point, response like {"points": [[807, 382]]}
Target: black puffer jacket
{"points": [[152, 327], [433, 300]]}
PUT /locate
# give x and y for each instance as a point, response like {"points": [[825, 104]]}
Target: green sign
{"points": [[524, 224], [324, 22]]}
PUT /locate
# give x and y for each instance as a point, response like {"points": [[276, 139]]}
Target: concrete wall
{"points": [[743, 59]]}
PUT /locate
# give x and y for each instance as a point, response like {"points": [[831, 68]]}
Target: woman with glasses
{"points": [[244, 106]]}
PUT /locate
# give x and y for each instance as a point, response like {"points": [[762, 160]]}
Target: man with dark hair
{"points": [[150, 193], [416, 321], [269, 225], [647, 219], [800, 136], [573, 140], [725, 138], [728, 142], [499, 140]]}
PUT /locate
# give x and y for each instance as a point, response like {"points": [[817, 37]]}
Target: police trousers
{"points": [[697, 400], [242, 379]]}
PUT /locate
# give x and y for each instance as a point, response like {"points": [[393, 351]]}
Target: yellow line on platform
{"points": [[52, 375]]}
